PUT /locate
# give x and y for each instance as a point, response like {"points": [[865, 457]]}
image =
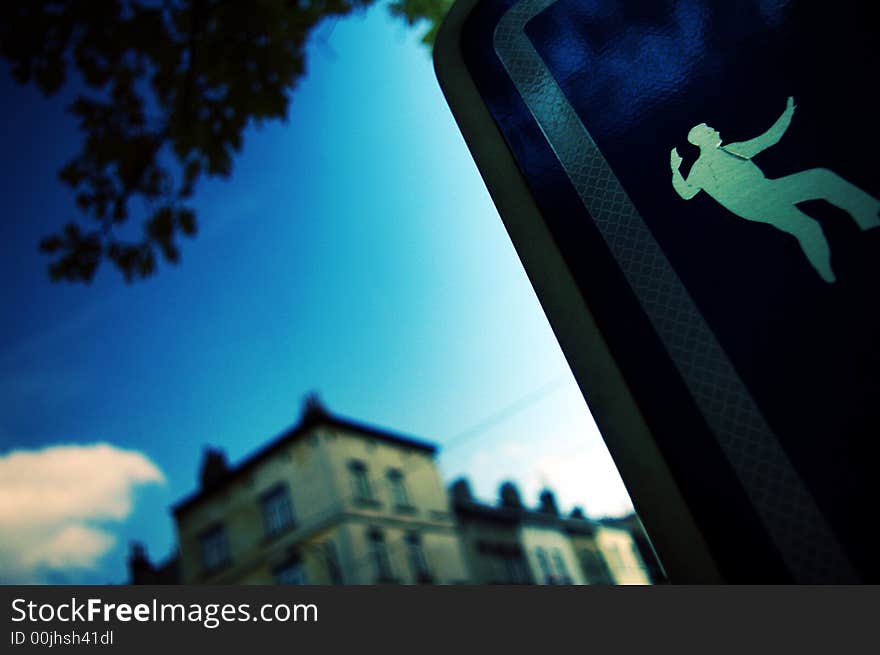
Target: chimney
{"points": [[548, 503], [140, 568], [510, 495], [313, 408], [460, 490], [214, 468]]}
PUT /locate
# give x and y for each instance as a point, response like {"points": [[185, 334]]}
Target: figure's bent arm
{"points": [[684, 188], [750, 148]]}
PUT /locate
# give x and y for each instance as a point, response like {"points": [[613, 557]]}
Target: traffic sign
{"points": [[693, 190]]}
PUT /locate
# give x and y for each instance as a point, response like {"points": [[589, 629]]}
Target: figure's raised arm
{"points": [[750, 148], [684, 188]]}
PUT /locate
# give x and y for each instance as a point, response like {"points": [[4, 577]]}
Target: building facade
{"points": [[633, 525], [509, 543], [334, 501], [330, 501]]}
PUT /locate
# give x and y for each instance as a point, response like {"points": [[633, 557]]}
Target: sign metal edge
{"points": [[657, 498]]}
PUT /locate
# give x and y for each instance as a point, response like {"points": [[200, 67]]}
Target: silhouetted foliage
{"points": [[168, 89]]}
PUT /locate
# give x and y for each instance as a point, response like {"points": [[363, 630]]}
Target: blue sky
{"points": [[354, 252]]}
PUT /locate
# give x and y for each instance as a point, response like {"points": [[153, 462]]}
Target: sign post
{"points": [[692, 190]]}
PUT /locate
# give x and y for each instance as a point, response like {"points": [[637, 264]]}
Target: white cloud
{"points": [[55, 505]]}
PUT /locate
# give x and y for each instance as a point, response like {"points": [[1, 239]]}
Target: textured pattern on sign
{"points": [[789, 513]]}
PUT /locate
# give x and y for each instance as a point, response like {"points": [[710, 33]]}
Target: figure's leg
{"points": [[811, 239], [821, 183]]}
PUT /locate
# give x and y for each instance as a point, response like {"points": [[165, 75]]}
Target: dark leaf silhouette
{"points": [[167, 91]]}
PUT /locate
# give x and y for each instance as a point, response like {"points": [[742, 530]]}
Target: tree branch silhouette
{"points": [[167, 90]]}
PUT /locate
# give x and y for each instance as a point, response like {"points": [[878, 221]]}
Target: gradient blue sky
{"points": [[354, 252]]}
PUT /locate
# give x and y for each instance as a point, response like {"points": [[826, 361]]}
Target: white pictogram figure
{"points": [[728, 174]]}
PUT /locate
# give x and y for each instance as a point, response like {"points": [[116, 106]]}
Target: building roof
{"points": [[470, 508], [629, 522], [314, 416]]}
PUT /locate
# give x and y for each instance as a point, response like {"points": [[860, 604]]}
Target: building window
{"points": [[291, 572], [399, 496], [331, 557], [507, 562], [379, 555], [616, 560], [514, 570], [360, 481], [595, 567], [416, 554], [561, 571], [277, 510], [639, 563], [544, 565], [215, 548]]}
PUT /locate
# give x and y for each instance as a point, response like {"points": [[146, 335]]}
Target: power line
{"points": [[481, 427], [505, 413]]}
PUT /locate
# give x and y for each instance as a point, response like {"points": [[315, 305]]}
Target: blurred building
{"points": [[334, 501], [633, 525], [509, 543], [490, 538], [330, 501]]}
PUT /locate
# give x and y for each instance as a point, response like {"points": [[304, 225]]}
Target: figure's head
{"points": [[704, 136]]}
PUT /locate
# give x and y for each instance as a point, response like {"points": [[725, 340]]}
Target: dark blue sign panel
{"points": [[709, 172]]}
